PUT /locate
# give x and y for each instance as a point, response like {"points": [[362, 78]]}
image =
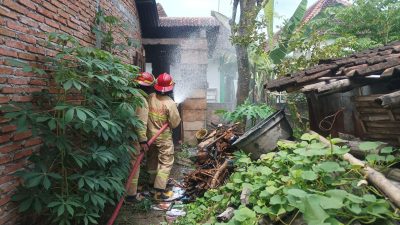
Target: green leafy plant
{"points": [[247, 111], [86, 122], [306, 180]]}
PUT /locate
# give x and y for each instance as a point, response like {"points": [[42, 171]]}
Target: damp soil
{"points": [[130, 215]]}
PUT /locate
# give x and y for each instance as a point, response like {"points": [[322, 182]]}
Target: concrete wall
{"points": [[23, 27]]}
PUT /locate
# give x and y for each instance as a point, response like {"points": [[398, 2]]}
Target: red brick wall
{"points": [[23, 24]]}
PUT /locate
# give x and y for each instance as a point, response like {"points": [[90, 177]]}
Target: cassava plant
{"points": [[247, 111], [87, 127]]}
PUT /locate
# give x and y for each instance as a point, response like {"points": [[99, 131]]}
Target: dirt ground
{"points": [[130, 216]]}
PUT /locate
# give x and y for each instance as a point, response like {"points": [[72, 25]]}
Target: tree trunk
{"points": [[243, 86], [245, 21]]}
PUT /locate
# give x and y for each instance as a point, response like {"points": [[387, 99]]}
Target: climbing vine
{"points": [[86, 121]]}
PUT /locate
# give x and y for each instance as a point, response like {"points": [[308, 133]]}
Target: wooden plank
{"points": [[377, 117], [335, 85], [367, 104], [384, 130], [383, 124], [390, 100], [367, 97], [371, 110]]}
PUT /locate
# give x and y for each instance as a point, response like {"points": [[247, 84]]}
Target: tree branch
{"points": [[234, 11]]}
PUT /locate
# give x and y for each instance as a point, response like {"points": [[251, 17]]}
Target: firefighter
{"points": [[162, 109], [146, 81]]}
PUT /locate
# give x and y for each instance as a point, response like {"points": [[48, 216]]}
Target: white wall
{"points": [[213, 77]]}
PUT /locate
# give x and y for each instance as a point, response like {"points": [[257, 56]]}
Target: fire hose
{"points": [[133, 171]]}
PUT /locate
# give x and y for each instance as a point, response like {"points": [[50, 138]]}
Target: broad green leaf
{"points": [[368, 145], [271, 189], [46, 183], [330, 167], [244, 214], [275, 200], [309, 175], [67, 85], [369, 198], [217, 198], [331, 203], [313, 213], [387, 150], [81, 115], [297, 193], [69, 115]]}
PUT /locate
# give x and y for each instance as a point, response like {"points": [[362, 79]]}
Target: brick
{"points": [[32, 142], [63, 14], [46, 28], [17, 26], [51, 23], [37, 50], [57, 4], [19, 81], [194, 126], [27, 38], [17, 98], [4, 138], [4, 99], [195, 104], [13, 90], [72, 25], [7, 32], [193, 115], [3, 201], [8, 128], [3, 80], [4, 120], [36, 16], [27, 56], [8, 13], [15, 6], [60, 19], [23, 154], [7, 178], [49, 6], [8, 52], [6, 70], [7, 187], [10, 148], [12, 167], [27, 3], [22, 135], [15, 44], [5, 159], [38, 82], [28, 21], [24, 74]]}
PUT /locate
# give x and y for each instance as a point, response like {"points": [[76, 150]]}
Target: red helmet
{"points": [[145, 79], [164, 83]]}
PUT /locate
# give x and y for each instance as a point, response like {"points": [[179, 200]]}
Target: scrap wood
{"points": [[212, 161], [373, 176], [226, 215]]}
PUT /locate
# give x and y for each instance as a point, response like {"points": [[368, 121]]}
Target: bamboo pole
{"points": [[373, 176]]}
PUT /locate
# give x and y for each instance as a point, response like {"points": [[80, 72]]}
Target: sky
{"points": [[194, 8]]}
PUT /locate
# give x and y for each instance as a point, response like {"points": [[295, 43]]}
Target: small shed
{"points": [[358, 94]]}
